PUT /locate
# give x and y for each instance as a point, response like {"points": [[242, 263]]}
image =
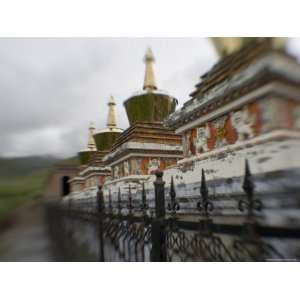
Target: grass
{"points": [[18, 191], [22, 180]]}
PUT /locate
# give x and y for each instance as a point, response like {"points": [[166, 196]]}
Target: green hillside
{"points": [[22, 181], [22, 166]]}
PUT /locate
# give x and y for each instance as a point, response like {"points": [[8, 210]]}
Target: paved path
{"points": [[26, 239]]}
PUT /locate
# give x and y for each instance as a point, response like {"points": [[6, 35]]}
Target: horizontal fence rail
{"points": [[127, 229]]}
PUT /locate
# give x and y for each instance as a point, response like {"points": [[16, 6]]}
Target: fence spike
{"points": [[204, 205], [100, 207], [109, 201], [129, 200], [173, 206], [119, 201], [144, 200], [143, 192], [172, 190], [203, 188], [100, 199], [248, 185]]}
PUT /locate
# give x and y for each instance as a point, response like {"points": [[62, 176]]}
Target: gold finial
{"points": [[91, 141], [149, 81], [111, 118], [227, 45]]}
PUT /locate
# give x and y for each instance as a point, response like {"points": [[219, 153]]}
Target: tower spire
{"points": [[149, 81], [91, 141], [111, 118]]}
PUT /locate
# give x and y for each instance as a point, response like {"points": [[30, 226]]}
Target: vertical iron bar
{"points": [[159, 186], [248, 187], [204, 193], [144, 208], [119, 202], [144, 201], [172, 195], [129, 200], [100, 209], [159, 251], [205, 206], [173, 206], [110, 207]]}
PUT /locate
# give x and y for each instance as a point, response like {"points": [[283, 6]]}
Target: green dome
{"points": [[149, 107], [84, 156], [104, 139]]}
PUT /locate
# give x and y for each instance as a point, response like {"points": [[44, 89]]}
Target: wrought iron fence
{"points": [[127, 230]]}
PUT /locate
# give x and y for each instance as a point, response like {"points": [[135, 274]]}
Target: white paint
{"points": [[128, 178], [202, 135], [271, 136], [153, 165], [267, 156], [94, 169], [274, 62], [243, 123], [74, 179], [280, 155], [293, 93], [142, 146]]}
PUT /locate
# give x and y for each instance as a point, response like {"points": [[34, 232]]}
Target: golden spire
{"points": [[149, 81], [91, 141], [227, 45], [111, 118]]}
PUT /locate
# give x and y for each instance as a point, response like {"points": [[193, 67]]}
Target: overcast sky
{"points": [[50, 89]]}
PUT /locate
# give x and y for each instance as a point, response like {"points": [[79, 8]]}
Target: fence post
{"points": [[159, 251], [100, 210]]}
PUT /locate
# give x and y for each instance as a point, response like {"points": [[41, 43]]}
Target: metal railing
{"points": [[127, 230]]}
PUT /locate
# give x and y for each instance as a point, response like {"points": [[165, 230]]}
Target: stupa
{"points": [[105, 138], [93, 171], [147, 145], [85, 154], [150, 104], [246, 107]]}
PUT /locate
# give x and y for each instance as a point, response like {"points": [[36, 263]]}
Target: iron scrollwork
{"points": [[128, 233], [251, 247]]}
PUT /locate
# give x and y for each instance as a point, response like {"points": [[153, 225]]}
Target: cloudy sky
{"points": [[50, 89]]}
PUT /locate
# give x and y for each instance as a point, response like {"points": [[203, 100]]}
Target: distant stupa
{"points": [[104, 138], [85, 154], [91, 141], [149, 104]]}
